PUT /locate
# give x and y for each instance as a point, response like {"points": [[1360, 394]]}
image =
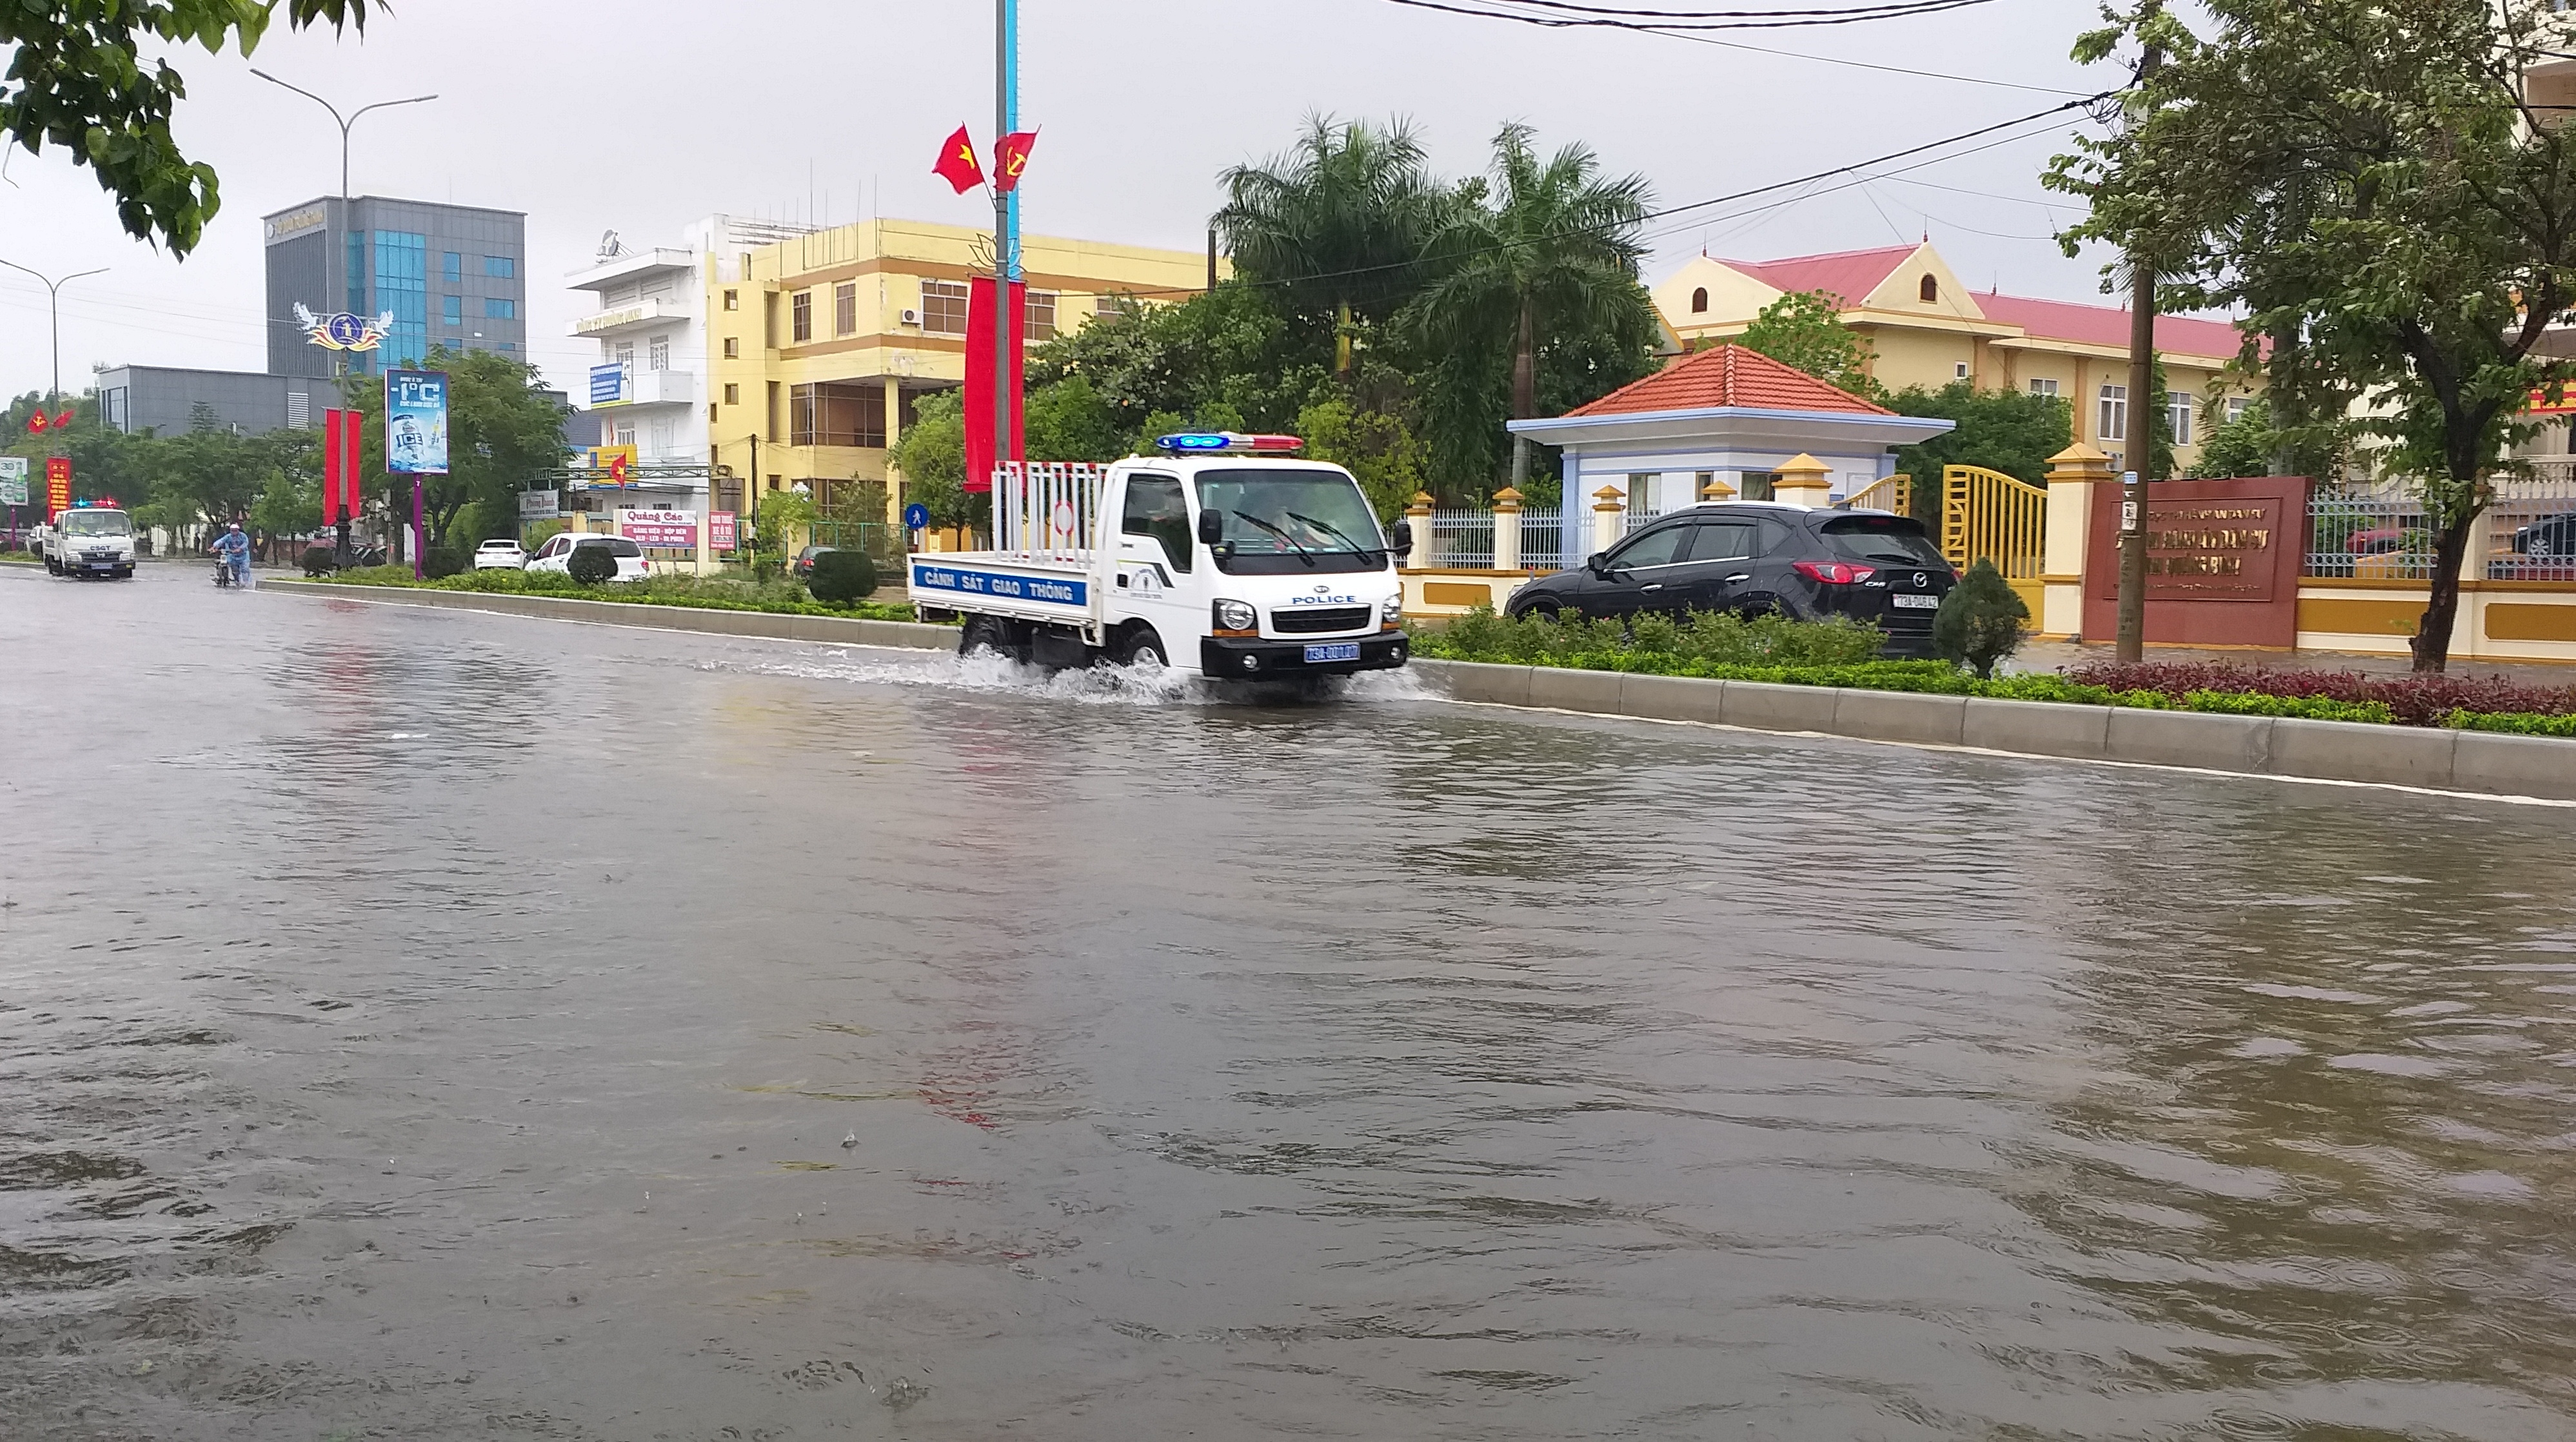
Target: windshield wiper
{"points": [[1343, 536], [1302, 553]]}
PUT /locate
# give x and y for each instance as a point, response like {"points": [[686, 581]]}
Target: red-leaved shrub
{"points": [[2416, 700]]}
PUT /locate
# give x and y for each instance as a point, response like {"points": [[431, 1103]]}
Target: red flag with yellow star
{"points": [[957, 164]]}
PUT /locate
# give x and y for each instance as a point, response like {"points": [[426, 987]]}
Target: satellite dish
{"points": [[610, 247]]}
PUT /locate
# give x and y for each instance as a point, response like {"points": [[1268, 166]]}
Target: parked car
{"points": [[1758, 557], [556, 555], [500, 555], [803, 565], [2551, 537]]}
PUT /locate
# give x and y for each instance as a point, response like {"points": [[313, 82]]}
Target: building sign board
{"points": [[296, 222], [720, 531], [2223, 562], [13, 480], [670, 530], [540, 505], [608, 385]]}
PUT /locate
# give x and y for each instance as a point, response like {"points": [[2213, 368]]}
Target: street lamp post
{"points": [[341, 542], [54, 299]]}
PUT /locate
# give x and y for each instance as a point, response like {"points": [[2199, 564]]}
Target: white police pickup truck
{"points": [[1225, 554], [90, 540]]}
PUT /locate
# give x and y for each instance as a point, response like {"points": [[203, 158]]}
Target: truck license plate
{"points": [[1917, 603], [1336, 651]]}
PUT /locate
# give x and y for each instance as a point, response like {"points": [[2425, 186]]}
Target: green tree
{"points": [[931, 454], [1980, 620], [2014, 432], [1069, 421], [502, 429], [1337, 224], [2368, 182], [2241, 447], [1548, 247], [79, 79], [1378, 450], [1804, 331]]}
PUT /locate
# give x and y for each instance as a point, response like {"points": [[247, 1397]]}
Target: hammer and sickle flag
{"points": [[1012, 157], [957, 164]]}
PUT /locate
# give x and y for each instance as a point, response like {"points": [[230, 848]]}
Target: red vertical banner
{"points": [[353, 435], [330, 468], [58, 486], [978, 401]]}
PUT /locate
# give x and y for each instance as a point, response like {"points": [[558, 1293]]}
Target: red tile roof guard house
{"points": [[1727, 414]]}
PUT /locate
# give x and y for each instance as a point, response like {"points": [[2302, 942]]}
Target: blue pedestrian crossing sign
{"points": [[916, 516]]}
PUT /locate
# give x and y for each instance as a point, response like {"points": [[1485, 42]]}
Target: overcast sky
{"points": [[643, 115]]}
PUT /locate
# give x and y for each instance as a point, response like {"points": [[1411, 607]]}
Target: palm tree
{"points": [[1337, 222], [1550, 248]]}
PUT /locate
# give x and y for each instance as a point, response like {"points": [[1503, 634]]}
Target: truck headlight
{"points": [[1236, 616], [1391, 610]]}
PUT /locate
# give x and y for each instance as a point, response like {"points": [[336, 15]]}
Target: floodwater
{"points": [[421, 1024]]}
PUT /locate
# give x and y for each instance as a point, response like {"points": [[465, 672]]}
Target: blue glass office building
{"points": [[449, 275]]}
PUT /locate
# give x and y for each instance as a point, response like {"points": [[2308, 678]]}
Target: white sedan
{"points": [[501, 555], [557, 555]]}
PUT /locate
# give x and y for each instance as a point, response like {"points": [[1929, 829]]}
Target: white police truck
{"points": [[1224, 554]]}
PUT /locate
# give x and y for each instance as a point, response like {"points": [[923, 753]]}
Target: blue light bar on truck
{"points": [[1225, 441]]}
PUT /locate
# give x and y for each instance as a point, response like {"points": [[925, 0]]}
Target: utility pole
{"points": [[1006, 217], [2140, 435], [341, 368]]}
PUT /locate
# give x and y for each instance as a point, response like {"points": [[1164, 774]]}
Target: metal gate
{"points": [[1989, 516]]}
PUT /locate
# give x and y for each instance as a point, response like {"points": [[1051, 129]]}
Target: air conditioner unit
{"points": [[911, 317]]}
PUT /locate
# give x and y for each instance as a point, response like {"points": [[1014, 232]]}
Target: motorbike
{"points": [[223, 571]]}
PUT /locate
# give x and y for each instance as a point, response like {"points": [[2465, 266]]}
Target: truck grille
{"points": [[1328, 618]]}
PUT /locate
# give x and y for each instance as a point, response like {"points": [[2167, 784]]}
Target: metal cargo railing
{"points": [[1047, 510]]}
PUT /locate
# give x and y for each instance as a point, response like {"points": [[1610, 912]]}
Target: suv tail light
{"points": [[1834, 573]]}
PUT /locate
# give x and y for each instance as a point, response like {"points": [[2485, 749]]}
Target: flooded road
{"points": [[423, 1024]]}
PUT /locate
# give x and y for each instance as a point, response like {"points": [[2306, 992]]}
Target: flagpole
{"points": [[1005, 224]]}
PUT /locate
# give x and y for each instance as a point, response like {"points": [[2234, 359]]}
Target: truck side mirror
{"points": [[1400, 538], [1211, 528]]}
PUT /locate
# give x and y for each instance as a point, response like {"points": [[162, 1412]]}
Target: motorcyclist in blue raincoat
{"points": [[234, 547]]}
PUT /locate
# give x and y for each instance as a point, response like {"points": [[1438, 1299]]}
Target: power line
{"points": [[1668, 22]]}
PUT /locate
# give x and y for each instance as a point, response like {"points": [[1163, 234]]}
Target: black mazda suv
{"points": [[1754, 557]]}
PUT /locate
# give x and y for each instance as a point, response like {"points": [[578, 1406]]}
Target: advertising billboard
{"points": [[416, 423], [720, 531], [675, 530], [539, 505], [13, 480], [608, 384]]}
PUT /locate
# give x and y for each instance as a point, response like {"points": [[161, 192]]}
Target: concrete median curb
{"points": [[2434, 759], [770, 625]]}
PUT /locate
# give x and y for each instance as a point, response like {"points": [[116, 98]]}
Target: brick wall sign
{"points": [[2223, 561]]}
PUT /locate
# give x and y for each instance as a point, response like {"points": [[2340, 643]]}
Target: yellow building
{"points": [[1924, 328], [821, 344]]}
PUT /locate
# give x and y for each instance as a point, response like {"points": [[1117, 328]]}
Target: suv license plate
{"points": [[1917, 603], [1337, 651]]}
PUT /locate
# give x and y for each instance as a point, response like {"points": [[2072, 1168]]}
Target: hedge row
{"points": [[2414, 699], [777, 598]]}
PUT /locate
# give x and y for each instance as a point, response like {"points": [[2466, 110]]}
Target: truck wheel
{"points": [[1143, 648], [983, 633]]}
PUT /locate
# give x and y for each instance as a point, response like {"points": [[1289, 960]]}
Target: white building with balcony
{"points": [[649, 388]]}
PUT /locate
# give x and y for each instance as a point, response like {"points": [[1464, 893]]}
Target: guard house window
{"points": [[943, 307], [2178, 409], [452, 266], [451, 309], [2043, 387], [1699, 300], [801, 317], [733, 348], [2113, 420], [837, 413], [845, 308], [1930, 290], [657, 353], [500, 267], [1039, 315], [1155, 510], [496, 308]]}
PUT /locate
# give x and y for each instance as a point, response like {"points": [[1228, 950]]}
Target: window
{"points": [[1155, 509], [943, 307], [1960, 372], [452, 309], [2236, 408], [1882, 538], [2178, 409], [1104, 305], [509, 345], [1699, 301], [402, 287], [501, 267], [625, 433], [1930, 290], [733, 348], [113, 405], [1725, 541], [801, 317], [837, 413], [452, 266], [845, 308], [2112, 424], [1663, 546], [657, 353], [499, 308], [2043, 387], [733, 300], [733, 395], [1038, 315], [625, 355]]}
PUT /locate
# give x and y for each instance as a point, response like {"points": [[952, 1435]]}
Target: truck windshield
{"points": [[1279, 521], [95, 523]]}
